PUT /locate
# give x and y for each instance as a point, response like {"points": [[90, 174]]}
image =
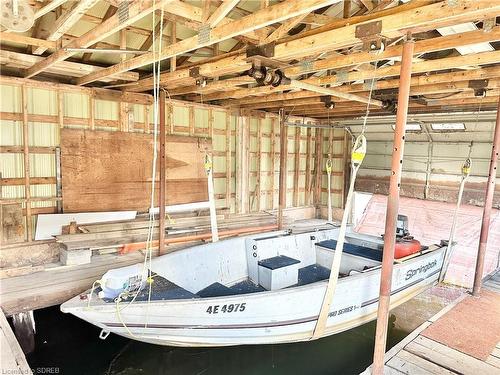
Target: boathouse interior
{"points": [[239, 117]]}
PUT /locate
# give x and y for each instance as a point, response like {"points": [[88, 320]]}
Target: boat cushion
{"points": [[246, 286], [163, 289], [312, 274], [215, 290], [279, 261], [349, 248]]}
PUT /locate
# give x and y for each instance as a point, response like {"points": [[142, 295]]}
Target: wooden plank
{"points": [[307, 196], [27, 189], [65, 68], [407, 367], [261, 18], [449, 358], [11, 217], [136, 11], [422, 363], [494, 361], [29, 41], [66, 22], [107, 171], [228, 159], [221, 12], [13, 358], [296, 167]]}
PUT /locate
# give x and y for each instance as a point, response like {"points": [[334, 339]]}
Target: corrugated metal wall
{"points": [[58, 106]]}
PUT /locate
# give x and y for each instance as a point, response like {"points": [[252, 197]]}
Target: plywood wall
{"points": [[53, 108]]}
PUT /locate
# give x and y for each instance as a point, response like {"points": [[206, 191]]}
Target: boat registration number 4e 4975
{"points": [[226, 309]]}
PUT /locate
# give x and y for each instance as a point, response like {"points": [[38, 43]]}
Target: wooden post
{"points": [[24, 329], [283, 168], [488, 201], [392, 209], [163, 166], [173, 39], [242, 165], [228, 160], [318, 172], [307, 194], [91, 111], [296, 172], [259, 164], [27, 191], [273, 161]]}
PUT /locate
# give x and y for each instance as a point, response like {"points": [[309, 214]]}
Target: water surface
{"points": [[71, 346]]}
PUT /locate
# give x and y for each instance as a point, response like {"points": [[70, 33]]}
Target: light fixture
{"points": [[447, 126], [411, 127]]}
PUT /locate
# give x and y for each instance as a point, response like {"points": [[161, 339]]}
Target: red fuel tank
{"points": [[404, 248]]}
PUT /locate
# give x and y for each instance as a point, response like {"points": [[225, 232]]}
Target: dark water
{"points": [[67, 345]]}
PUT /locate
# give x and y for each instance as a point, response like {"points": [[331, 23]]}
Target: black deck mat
{"points": [[312, 274]]}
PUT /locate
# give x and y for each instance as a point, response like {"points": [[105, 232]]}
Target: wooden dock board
{"points": [[57, 285], [12, 359], [420, 355]]}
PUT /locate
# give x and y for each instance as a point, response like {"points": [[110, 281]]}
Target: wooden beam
{"points": [[22, 39], [64, 68], [158, 31], [136, 11], [221, 12], [421, 47], [66, 21], [264, 17], [26, 154], [284, 28], [283, 173], [109, 12], [456, 62], [340, 34], [48, 8], [163, 171]]}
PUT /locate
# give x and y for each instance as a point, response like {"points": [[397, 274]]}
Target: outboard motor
{"points": [[405, 243]]}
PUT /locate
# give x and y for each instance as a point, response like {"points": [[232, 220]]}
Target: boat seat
{"points": [[163, 289], [278, 272], [356, 250], [215, 290], [312, 274], [245, 287]]}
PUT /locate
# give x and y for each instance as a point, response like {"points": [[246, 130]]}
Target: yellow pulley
{"points": [[466, 167], [329, 166], [358, 150], [208, 164]]}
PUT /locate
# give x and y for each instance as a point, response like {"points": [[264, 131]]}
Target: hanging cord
{"points": [[148, 253], [357, 156], [466, 169]]}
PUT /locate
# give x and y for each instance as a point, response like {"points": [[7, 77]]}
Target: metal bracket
{"points": [[204, 34], [369, 83], [342, 76], [369, 33], [264, 50], [478, 83], [489, 24], [306, 65], [194, 72], [479, 86], [327, 99], [123, 11]]}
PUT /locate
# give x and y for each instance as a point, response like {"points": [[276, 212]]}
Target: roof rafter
{"points": [[66, 21], [275, 13], [115, 23]]}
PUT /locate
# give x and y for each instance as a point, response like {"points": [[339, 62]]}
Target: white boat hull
{"points": [[270, 317]]}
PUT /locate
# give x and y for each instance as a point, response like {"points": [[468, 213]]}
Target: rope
{"points": [[357, 156]]}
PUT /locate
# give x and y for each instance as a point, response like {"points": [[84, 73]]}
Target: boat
{"points": [[265, 288]]}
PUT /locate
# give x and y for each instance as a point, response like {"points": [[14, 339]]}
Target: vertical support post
{"points": [[307, 193], [91, 111], [26, 154], [296, 171], [58, 179], [258, 188], [173, 39], [273, 162], [392, 208], [318, 171], [228, 160], [283, 168], [163, 171], [488, 200]]}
